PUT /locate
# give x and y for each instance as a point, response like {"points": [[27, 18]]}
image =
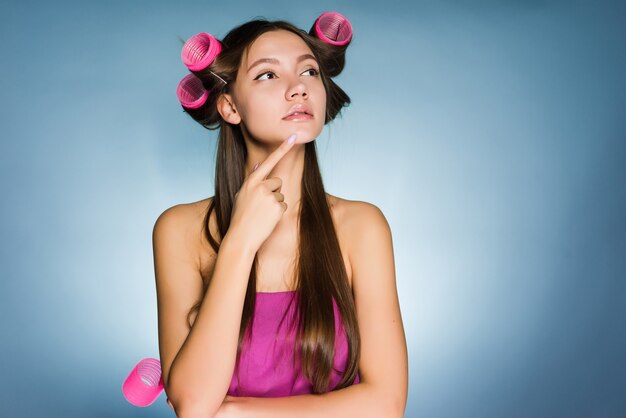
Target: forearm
{"points": [[202, 370], [361, 400]]}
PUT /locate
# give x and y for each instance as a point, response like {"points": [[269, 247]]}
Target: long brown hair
{"points": [[321, 274]]}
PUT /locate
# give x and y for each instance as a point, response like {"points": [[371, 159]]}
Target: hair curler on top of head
{"points": [[333, 28], [200, 51]]}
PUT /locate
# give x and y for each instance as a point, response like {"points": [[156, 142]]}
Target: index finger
{"points": [[268, 164]]}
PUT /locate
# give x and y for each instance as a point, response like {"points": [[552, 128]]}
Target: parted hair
{"points": [[320, 271]]}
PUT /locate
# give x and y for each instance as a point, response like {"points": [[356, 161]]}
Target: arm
{"points": [[383, 367], [197, 365], [361, 400]]}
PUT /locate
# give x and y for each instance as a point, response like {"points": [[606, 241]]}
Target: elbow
{"points": [[384, 401], [193, 409], [390, 405], [396, 407], [397, 411], [386, 410], [390, 410], [187, 404], [173, 398]]}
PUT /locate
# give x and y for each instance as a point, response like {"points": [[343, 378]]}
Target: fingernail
{"points": [[291, 139], [256, 166]]}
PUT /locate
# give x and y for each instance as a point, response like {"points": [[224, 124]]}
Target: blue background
{"points": [[490, 133]]}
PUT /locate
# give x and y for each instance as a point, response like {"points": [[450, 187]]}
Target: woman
{"points": [[274, 297]]}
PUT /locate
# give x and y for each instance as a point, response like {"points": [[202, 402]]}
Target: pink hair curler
{"points": [[144, 384], [191, 92], [334, 28], [200, 51]]}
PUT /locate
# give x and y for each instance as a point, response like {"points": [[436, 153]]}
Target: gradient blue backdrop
{"points": [[490, 133]]}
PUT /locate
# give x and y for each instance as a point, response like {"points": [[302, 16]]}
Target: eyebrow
{"points": [[275, 61]]}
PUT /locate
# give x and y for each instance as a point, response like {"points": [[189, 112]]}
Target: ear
{"points": [[226, 108]]}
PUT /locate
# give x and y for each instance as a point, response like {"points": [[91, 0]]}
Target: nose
{"points": [[297, 88]]}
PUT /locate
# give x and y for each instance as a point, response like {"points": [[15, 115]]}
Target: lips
{"points": [[299, 110]]}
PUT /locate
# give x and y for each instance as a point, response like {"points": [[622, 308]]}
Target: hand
{"points": [[259, 205]]}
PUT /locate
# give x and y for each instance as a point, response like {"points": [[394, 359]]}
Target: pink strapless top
{"points": [[266, 364]]}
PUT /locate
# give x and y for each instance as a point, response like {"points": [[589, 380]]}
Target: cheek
{"points": [[263, 101], [322, 99], [254, 108], [318, 93]]}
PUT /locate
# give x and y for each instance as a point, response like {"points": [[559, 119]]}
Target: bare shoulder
{"points": [[356, 217], [362, 229], [182, 216], [183, 223]]}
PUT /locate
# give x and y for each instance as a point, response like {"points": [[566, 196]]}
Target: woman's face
{"points": [[277, 77]]}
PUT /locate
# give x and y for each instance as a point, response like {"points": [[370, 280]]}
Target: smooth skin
{"points": [[198, 364]]}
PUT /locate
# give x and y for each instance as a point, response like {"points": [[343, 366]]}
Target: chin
{"points": [[305, 139], [305, 135]]}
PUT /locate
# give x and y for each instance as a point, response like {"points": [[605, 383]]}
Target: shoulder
{"points": [[181, 225], [358, 219], [364, 227], [181, 216]]}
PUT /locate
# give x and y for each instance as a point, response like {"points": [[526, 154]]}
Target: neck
{"points": [[289, 169]]}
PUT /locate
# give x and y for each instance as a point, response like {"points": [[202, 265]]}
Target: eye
{"points": [[266, 73], [312, 72]]}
